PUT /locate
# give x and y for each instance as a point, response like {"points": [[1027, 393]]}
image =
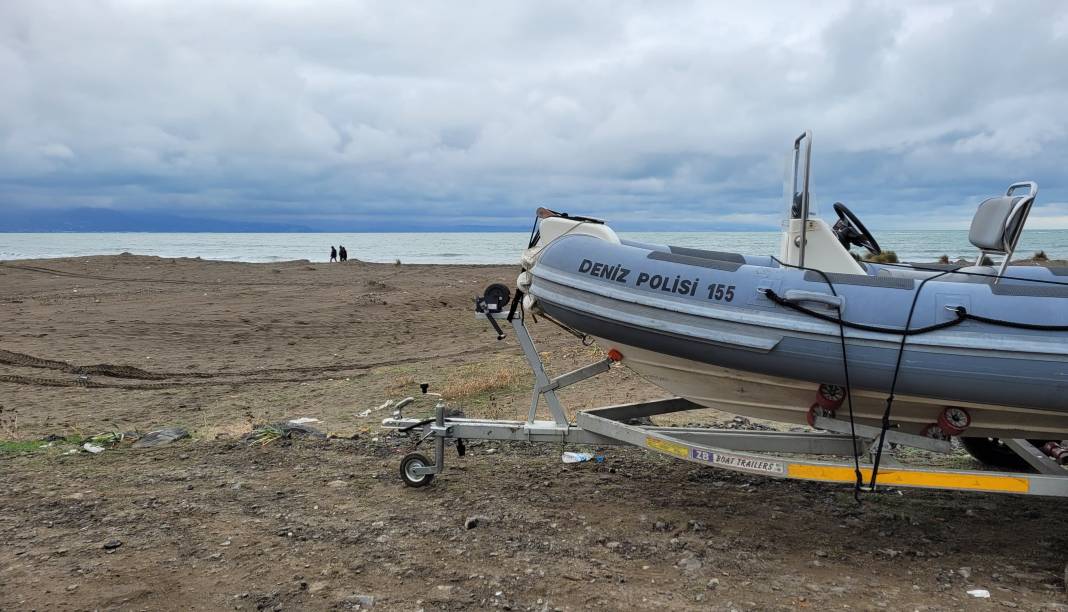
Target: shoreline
{"points": [[1029, 261]]}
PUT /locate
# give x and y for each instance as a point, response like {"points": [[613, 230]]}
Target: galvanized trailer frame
{"points": [[767, 453]]}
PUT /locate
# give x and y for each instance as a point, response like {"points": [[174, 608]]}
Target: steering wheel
{"points": [[850, 230]]}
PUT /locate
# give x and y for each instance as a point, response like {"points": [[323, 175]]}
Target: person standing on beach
{"points": [[343, 254], [333, 253]]}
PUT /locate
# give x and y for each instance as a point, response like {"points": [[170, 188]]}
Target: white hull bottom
{"points": [[788, 401]]}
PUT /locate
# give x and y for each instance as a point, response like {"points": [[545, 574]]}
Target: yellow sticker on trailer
{"points": [[672, 448], [913, 478]]}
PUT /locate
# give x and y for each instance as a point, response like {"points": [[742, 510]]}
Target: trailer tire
{"points": [[991, 452], [412, 460]]}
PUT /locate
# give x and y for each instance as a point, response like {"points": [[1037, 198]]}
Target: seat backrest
{"points": [[996, 224]]}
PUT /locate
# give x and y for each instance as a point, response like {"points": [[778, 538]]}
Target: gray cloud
{"points": [[651, 114]]}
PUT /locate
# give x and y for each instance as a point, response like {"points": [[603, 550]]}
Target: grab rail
{"points": [[802, 211]]}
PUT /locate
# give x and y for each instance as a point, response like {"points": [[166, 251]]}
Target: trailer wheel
{"points": [[991, 452], [410, 478]]}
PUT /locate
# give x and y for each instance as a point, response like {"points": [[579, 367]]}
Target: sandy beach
{"points": [[131, 344]]}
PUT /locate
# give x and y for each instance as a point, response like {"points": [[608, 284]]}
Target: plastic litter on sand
{"points": [[572, 457]]}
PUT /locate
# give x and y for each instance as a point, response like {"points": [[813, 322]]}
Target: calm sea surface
{"points": [[459, 247]]}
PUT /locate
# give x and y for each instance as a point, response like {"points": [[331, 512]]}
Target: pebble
{"points": [[689, 564], [474, 521], [337, 484], [363, 601], [111, 544]]}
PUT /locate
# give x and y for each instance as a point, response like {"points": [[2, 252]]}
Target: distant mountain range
{"points": [[107, 220]]}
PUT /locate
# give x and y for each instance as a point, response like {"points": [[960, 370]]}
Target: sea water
{"points": [[460, 248]]}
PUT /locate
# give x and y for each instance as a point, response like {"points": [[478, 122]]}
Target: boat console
{"points": [[810, 243]]}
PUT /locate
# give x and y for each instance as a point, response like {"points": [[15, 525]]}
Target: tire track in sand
{"points": [[133, 373]]}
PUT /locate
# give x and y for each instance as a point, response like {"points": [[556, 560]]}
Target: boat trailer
{"points": [[767, 453]]}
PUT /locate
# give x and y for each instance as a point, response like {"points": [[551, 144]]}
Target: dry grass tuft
{"points": [[884, 257], [481, 379], [231, 430], [402, 382]]}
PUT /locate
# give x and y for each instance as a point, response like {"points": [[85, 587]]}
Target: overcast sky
{"points": [[659, 115]]}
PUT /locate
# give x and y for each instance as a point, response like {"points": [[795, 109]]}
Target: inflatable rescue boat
{"points": [[978, 351]]}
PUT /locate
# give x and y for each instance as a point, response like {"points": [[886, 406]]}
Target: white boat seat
{"points": [[996, 223]]}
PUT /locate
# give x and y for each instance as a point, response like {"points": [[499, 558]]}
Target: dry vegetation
{"points": [[474, 381]]}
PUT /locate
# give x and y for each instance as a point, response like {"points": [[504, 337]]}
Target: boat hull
{"points": [[747, 355], [788, 400]]}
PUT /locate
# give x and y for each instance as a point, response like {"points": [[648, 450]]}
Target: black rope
{"points": [[534, 234], [962, 315], [858, 476], [584, 338], [842, 323], [778, 299], [965, 273], [961, 312], [897, 370]]}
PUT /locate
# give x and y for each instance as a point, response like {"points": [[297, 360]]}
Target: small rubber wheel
{"points": [[409, 463], [830, 396]]}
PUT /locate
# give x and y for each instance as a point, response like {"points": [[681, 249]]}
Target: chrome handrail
{"points": [[803, 213]]}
